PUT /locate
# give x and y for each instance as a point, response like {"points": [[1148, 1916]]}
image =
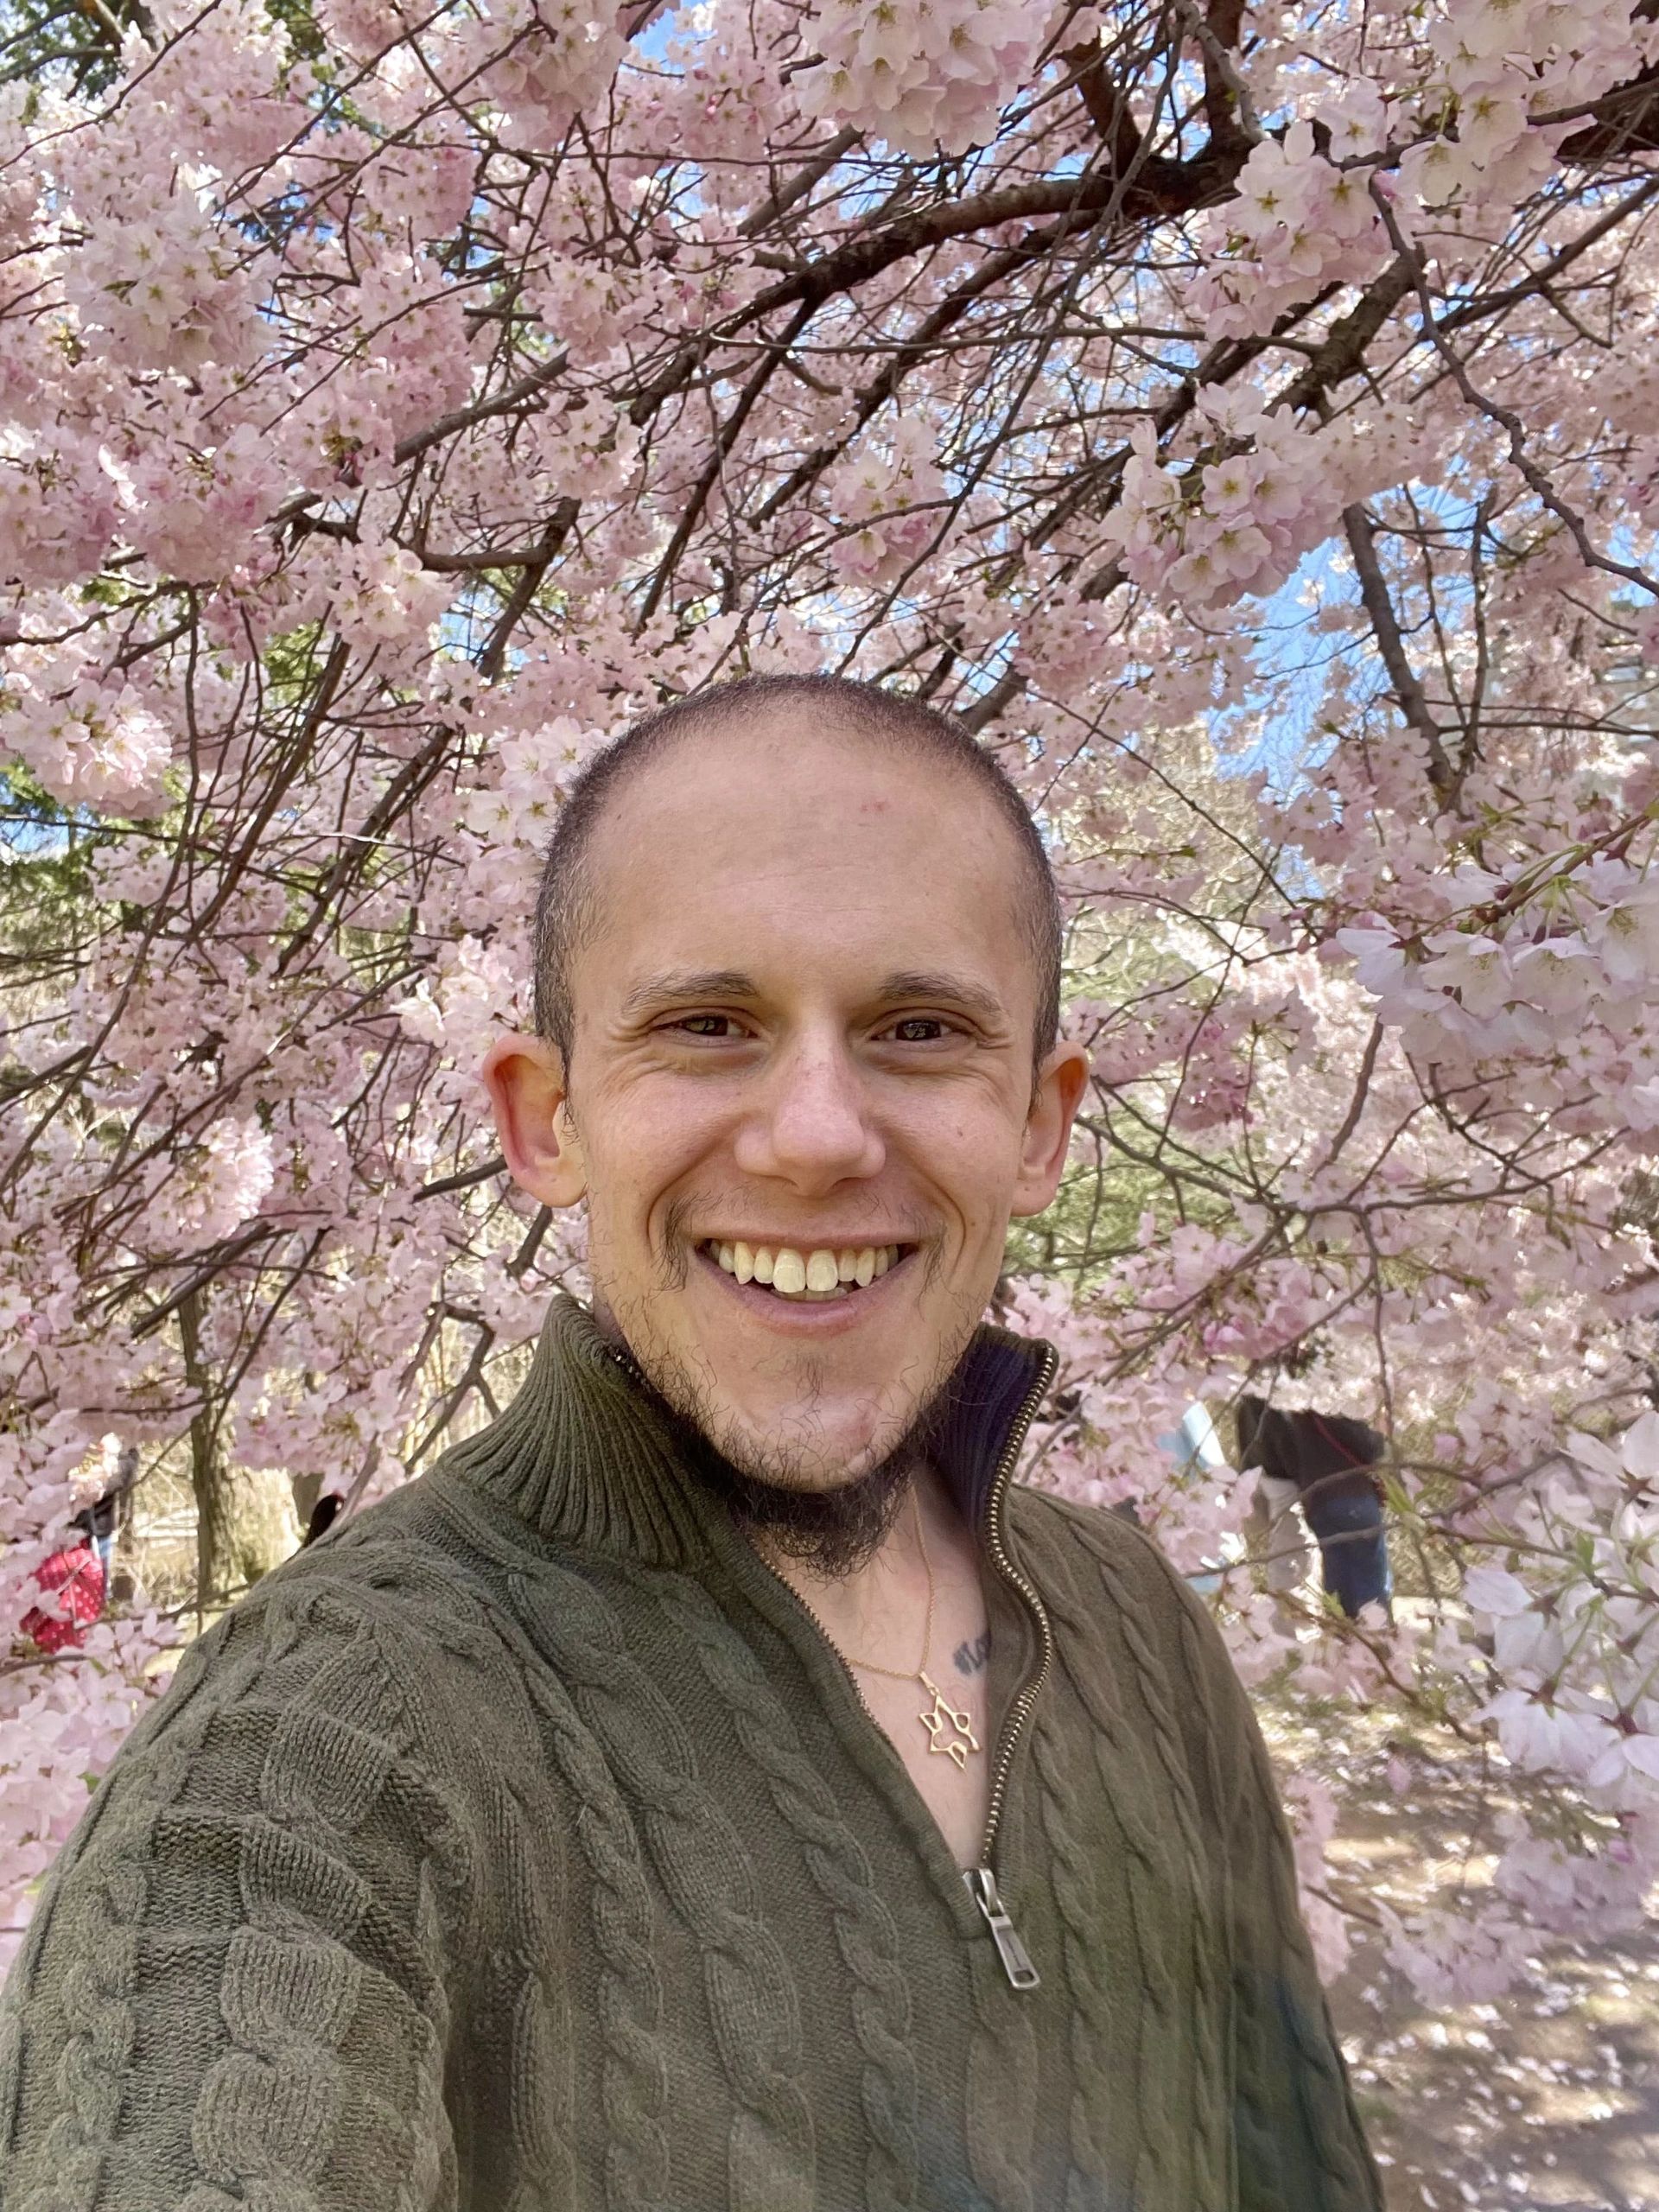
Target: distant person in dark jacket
{"points": [[324, 1514], [98, 1522], [1327, 1464]]}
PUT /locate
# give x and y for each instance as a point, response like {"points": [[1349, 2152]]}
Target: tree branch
{"points": [[1361, 534]]}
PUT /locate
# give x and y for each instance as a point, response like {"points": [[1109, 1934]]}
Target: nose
{"points": [[813, 1128]]}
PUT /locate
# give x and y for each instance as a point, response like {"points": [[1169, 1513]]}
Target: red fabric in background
{"points": [[76, 1576]]}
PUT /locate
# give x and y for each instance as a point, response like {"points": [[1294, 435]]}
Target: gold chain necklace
{"points": [[948, 1726]]}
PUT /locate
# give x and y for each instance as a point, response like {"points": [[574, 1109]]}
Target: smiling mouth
{"points": [[806, 1278]]}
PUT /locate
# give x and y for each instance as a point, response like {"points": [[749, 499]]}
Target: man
{"points": [[715, 1785], [1326, 1463]]}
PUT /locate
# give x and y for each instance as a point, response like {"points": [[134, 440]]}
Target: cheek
{"points": [[970, 1155], [646, 1146]]}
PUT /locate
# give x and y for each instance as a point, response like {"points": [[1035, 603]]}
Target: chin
{"points": [[791, 1444]]}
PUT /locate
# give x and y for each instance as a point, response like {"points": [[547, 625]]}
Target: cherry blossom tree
{"points": [[1246, 419]]}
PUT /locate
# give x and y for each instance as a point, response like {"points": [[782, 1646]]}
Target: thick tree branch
{"points": [[1361, 533]]}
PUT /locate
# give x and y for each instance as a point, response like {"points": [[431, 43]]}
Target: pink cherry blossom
{"points": [[1258, 442]]}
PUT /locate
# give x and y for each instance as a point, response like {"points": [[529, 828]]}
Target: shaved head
{"points": [[569, 908]]}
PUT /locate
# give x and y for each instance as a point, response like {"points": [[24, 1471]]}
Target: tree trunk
{"points": [[209, 1479], [306, 1489], [121, 1578]]}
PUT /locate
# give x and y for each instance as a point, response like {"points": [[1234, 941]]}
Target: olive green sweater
{"points": [[524, 1847]]}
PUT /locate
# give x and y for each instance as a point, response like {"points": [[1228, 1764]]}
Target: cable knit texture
{"points": [[522, 1846]]}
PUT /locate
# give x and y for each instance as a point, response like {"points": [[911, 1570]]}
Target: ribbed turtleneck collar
{"points": [[586, 1454]]}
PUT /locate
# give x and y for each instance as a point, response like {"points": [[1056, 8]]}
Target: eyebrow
{"points": [[676, 985], [939, 983]]}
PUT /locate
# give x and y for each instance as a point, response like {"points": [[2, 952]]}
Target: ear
{"points": [[1060, 1083], [524, 1076]]}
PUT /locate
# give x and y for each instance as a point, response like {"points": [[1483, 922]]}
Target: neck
{"points": [[829, 1535], [830, 1532], [876, 1606], [588, 1456]]}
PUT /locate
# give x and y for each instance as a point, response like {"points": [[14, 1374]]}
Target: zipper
{"points": [[982, 1879], [1016, 1959]]}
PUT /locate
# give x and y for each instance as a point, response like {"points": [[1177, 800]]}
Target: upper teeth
{"points": [[820, 1273]]}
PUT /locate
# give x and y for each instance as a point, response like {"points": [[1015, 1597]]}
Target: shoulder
{"points": [[427, 1565], [372, 1653], [1117, 1588], [1107, 1549], [354, 1708]]}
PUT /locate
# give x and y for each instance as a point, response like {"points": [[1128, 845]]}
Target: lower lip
{"points": [[826, 1317]]}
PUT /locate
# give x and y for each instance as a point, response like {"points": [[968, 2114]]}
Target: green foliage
{"points": [[76, 43], [47, 887]]}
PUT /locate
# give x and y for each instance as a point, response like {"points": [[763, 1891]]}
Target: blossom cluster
{"points": [[1219, 530], [1551, 971], [1300, 221], [892, 499], [922, 73], [1254, 441], [90, 743], [1579, 1657], [1498, 74]]}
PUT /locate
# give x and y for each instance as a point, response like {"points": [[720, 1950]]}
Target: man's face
{"points": [[803, 1027]]}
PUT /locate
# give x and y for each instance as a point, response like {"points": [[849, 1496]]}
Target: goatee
{"points": [[831, 1533], [784, 1494], [830, 1528]]}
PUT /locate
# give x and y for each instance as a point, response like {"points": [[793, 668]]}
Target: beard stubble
{"points": [[785, 1492]]}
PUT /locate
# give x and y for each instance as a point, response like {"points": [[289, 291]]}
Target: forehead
{"points": [[793, 849]]}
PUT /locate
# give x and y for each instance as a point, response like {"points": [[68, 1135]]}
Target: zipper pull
{"points": [[1016, 1959]]}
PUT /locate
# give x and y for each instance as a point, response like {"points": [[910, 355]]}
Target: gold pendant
{"points": [[947, 1717]]}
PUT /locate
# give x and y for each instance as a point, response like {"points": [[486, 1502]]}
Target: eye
{"points": [[919, 1029], [717, 1026]]}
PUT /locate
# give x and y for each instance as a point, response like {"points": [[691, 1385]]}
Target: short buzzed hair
{"points": [[568, 903]]}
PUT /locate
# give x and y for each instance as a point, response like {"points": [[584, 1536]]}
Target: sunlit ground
{"points": [[1547, 2097]]}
